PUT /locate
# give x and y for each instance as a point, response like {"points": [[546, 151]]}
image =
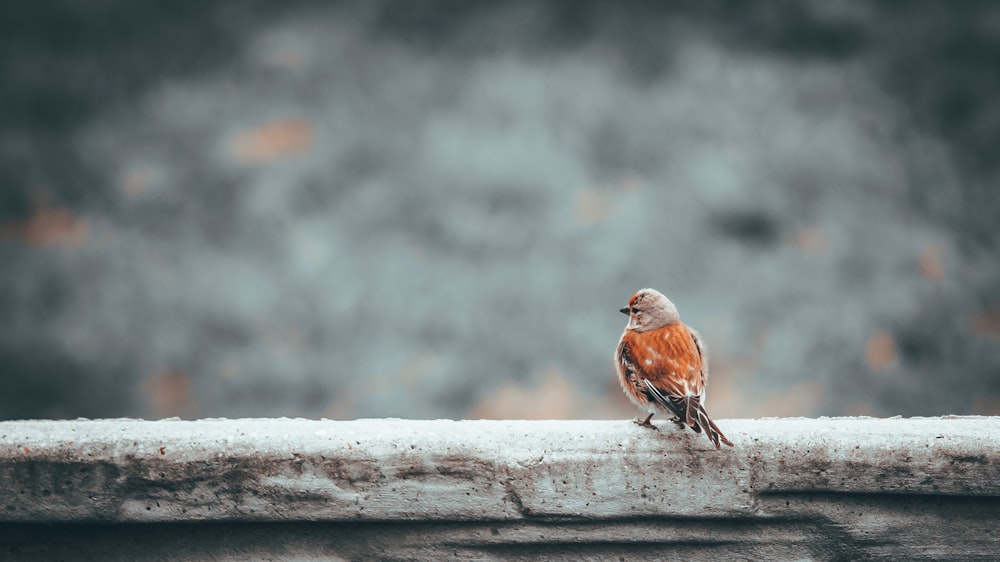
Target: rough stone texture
{"points": [[839, 488]]}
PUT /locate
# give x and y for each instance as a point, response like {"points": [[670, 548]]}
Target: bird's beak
{"points": [[624, 311]]}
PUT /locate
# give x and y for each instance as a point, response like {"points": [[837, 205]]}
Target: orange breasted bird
{"points": [[662, 365]]}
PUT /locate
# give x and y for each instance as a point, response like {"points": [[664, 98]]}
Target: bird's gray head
{"points": [[648, 309]]}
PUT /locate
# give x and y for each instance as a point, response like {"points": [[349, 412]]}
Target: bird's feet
{"points": [[678, 421], [645, 423]]}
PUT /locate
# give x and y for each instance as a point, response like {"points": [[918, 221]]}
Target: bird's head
{"points": [[648, 309]]}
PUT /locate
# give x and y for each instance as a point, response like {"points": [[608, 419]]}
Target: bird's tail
{"points": [[696, 418]]}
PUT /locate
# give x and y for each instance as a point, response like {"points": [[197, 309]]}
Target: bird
{"points": [[662, 365]]}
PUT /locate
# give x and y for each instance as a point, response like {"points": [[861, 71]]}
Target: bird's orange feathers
{"points": [[669, 358]]}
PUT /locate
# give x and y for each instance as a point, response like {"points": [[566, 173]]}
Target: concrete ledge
{"points": [[791, 487]]}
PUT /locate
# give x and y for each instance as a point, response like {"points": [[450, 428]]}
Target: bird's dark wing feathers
{"points": [[699, 344], [691, 412], [676, 404], [625, 358]]}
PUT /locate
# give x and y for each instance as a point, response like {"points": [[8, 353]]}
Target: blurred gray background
{"points": [[435, 209]]}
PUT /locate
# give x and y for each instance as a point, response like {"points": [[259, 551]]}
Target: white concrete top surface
{"points": [[391, 469]]}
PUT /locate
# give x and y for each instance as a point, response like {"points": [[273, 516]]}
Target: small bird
{"points": [[662, 366]]}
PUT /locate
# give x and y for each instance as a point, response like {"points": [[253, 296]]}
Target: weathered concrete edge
{"points": [[387, 469]]}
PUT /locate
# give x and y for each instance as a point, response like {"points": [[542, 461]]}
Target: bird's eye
{"points": [[634, 310]]}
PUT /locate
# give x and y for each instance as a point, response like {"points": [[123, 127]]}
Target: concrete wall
{"points": [[831, 488]]}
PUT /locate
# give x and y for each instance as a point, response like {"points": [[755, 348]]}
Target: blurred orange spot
{"points": [[49, 227], [930, 262], [811, 240], [288, 58], [136, 181], [861, 408], [724, 399], [553, 396], [280, 337], [592, 206], [614, 404], [228, 368], [169, 393], [550, 398], [880, 351], [986, 405], [416, 369], [630, 183], [272, 141], [341, 407], [761, 336], [802, 399], [986, 323], [418, 252]]}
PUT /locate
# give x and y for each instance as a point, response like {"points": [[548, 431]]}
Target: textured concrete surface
{"points": [[403, 489]]}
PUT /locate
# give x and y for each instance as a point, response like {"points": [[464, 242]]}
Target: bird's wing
{"points": [[632, 374], [672, 361], [699, 344], [670, 401], [626, 361]]}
